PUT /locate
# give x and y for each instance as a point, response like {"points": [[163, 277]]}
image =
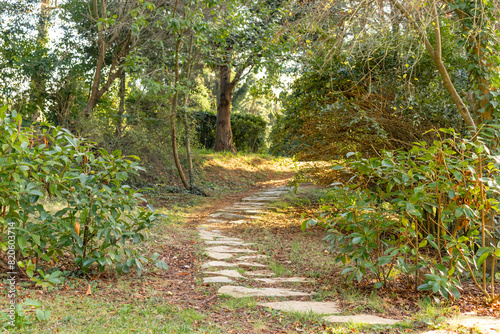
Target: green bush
{"points": [[427, 212], [99, 216]]}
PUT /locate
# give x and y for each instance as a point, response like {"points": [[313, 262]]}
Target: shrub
{"points": [[429, 212], [99, 215]]}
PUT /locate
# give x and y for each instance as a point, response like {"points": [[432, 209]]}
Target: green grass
{"points": [[97, 315], [361, 302], [279, 270], [232, 304]]}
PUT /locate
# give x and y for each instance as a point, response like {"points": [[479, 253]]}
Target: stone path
{"points": [[239, 267]]}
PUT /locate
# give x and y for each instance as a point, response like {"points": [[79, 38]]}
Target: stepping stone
{"points": [[219, 256], [241, 221], [202, 228], [216, 221], [305, 307], [246, 206], [250, 203], [229, 242], [229, 273], [251, 211], [217, 279], [227, 249], [360, 318], [241, 292], [252, 257], [440, 332], [227, 264], [486, 324], [278, 280], [260, 199], [250, 264], [266, 273], [218, 264]]}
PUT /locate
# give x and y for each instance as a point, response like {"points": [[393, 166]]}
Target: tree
{"points": [[473, 22], [243, 43]]}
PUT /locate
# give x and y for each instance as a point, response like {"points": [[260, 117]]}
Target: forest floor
{"points": [[178, 301]]}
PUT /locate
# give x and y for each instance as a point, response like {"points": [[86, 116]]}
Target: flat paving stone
{"points": [[278, 280], [246, 211], [216, 221], [241, 292], [219, 256], [214, 236], [250, 264], [304, 307], [237, 222], [253, 257], [217, 279], [218, 264], [360, 318], [229, 273], [250, 203], [486, 324], [261, 273], [227, 249], [228, 242], [260, 199]]}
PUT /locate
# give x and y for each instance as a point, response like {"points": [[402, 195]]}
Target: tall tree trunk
{"points": [[187, 126], [224, 134], [101, 53], [121, 108], [39, 78], [173, 113]]}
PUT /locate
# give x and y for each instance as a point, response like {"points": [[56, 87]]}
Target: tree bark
{"points": [[224, 134], [121, 108], [187, 126]]}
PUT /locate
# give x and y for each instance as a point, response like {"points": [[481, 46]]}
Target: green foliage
{"points": [[427, 208], [99, 217], [368, 98], [24, 319], [248, 130]]}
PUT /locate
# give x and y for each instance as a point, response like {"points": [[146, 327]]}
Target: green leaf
{"points": [[347, 270], [22, 242], [36, 238], [357, 240], [383, 260], [482, 258], [162, 265], [31, 302]]}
